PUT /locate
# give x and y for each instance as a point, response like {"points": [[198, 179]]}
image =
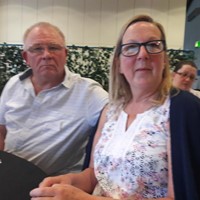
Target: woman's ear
{"points": [[119, 65], [173, 74], [166, 60]]}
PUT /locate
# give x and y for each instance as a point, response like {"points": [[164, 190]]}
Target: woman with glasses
{"points": [[184, 75], [147, 143]]}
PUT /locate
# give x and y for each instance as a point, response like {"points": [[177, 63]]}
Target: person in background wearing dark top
{"points": [[147, 143], [184, 75], [47, 113]]}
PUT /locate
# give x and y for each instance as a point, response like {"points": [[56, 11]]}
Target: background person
{"points": [[147, 139], [184, 75], [47, 113]]}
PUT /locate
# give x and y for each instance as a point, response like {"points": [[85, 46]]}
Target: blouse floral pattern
{"points": [[133, 162]]}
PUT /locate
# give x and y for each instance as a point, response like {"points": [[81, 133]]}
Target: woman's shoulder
{"points": [[195, 92]]}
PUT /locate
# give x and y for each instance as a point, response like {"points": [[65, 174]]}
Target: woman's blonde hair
{"points": [[119, 88]]}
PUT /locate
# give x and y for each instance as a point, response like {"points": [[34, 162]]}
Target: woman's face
{"points": [[184, 77], [142, 70]]}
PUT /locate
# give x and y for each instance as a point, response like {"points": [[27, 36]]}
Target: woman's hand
{"points": [[59, 192], [62, 179]]}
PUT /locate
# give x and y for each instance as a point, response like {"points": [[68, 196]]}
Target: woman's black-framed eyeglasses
{"points": [[152, 47]]}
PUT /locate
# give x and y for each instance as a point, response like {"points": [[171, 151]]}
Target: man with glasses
{"points": [[47, 113], [184, 75]]}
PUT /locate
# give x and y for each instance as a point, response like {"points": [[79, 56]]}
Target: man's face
{"points": [[45, 53]]}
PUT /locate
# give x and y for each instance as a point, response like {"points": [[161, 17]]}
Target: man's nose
{"points": [[46, 52]]}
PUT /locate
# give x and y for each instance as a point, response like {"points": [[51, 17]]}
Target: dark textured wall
{"points": [[192, 32]]}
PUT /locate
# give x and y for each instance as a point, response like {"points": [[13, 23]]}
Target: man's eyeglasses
{"points": [[40, 48], [186, 75], [152, 47]]}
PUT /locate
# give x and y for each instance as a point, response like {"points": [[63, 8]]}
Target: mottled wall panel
{"points": [[90, 22]]}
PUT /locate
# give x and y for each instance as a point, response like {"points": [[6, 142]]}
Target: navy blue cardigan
{"points": [[185, 145]]}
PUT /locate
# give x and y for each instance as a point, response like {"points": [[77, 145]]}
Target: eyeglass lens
{"points": [[185, 75], [40, 48], [152, 47]]}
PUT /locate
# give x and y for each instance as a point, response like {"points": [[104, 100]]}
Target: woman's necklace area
{"points": [[133, 109]]}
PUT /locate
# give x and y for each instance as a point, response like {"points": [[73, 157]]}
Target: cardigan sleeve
{"points": [[185, 145]]}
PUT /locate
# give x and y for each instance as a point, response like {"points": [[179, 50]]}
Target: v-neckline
{"points": [[122, 121], [122, 125]]}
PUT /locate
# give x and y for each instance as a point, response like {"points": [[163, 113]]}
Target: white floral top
{"points": [[133, 162]]}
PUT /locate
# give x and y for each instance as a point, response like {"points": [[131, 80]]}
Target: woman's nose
{"points": [[188, 78], [143, 52]]}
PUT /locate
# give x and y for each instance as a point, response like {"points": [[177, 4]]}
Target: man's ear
{"points": [[24, 56], [66, 52]]}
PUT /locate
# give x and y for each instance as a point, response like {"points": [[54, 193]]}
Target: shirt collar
{"points": [[67, 82]]}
